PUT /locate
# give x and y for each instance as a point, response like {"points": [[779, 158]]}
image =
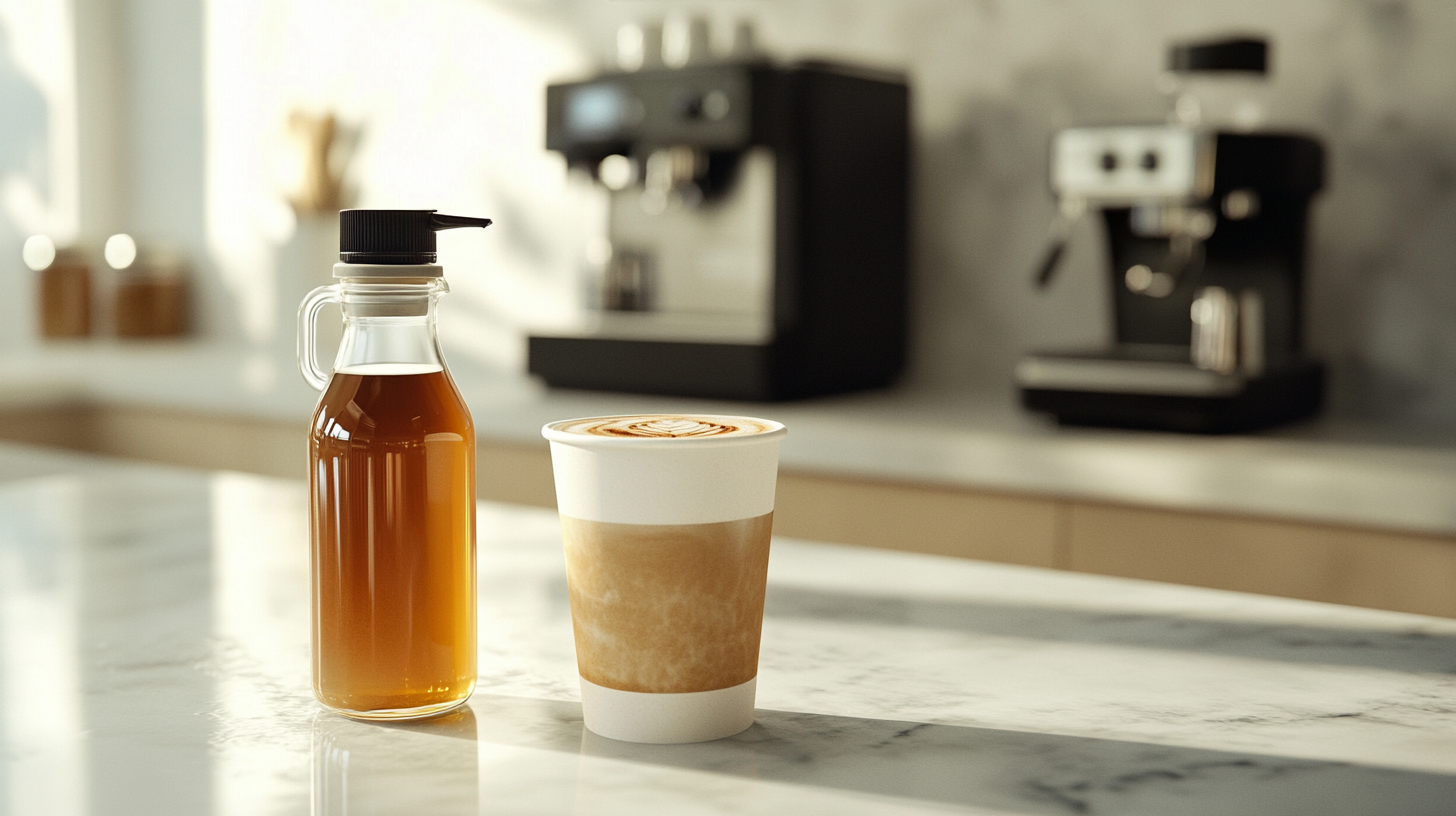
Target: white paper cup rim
{"points": [[552, 432]]}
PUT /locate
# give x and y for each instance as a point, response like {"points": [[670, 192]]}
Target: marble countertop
{"points": [[154, 660], [1329, 471]]}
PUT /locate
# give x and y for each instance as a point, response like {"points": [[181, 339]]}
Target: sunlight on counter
{"points": [[40, 649]]}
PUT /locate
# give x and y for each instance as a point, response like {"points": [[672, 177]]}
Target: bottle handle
{"points": [[307, 317]]}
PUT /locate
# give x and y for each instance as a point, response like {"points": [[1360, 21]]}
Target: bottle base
{"points": [[399, 714]]}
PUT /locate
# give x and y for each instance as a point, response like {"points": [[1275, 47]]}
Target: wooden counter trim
{"points": [[1007, 528], [1405, 572], [1383, 569]]}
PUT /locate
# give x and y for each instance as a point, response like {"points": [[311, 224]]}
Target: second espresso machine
{"points": [[756, 238], [1206, 220]]}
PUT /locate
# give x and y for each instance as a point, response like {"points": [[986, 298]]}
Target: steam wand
{"points": [[1069, 212]]}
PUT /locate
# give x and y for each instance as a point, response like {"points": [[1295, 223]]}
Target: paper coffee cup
{"points": [[665, 524]]}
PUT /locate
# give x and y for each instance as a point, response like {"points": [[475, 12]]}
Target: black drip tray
{"points": [[1157, 395]]}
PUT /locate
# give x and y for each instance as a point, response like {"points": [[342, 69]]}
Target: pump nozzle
{"points": [[443, 222], [392, 237]]}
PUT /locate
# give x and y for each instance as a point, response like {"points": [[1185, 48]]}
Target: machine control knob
{"points": [[1108, 161], [689, 105], [712, 106]]}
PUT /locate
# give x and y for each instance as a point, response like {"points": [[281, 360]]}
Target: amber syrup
{"points": [[392, 481]]}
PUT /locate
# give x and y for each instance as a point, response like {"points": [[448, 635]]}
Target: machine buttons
{"points": [[715, 105], [712, 106], [689, 105], [1131, 164]]}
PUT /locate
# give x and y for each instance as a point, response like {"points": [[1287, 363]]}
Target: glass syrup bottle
{"points": [[391, 479]]}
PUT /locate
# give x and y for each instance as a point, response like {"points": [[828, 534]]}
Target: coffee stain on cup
{"points": [[667, 608]]}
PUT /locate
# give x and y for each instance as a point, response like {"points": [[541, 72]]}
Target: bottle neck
{"points": [[389, 328]]}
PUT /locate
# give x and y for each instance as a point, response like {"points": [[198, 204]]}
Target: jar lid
{"points": [[395, 237]]}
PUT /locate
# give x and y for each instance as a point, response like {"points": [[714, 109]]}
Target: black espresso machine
{"points": [[756, 237], [1206, 231]]}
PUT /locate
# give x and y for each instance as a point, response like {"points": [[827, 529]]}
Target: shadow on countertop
{"points": [[1013, 771], [1411, 650]]}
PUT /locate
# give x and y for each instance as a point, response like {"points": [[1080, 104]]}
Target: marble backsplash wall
{"points": [[992, 81]]}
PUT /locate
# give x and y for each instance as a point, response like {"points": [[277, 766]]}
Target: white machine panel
{"points": [[1132, 164]]}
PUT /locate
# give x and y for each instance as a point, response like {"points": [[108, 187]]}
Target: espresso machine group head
{"points": [[757, 238], [1206, 229]]}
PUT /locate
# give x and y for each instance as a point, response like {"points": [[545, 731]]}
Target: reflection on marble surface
{"points": [[154, 659], [366, 768]]}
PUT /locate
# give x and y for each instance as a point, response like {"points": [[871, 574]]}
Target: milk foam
{"points": [[664, 426]]}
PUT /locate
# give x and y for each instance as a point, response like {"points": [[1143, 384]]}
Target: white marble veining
{"points": [[154, 659]]}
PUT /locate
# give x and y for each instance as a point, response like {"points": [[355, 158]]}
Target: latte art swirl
{"points": [[669, 426], [674, 427]]}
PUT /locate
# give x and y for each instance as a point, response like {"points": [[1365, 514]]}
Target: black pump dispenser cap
{"points": [[1245, 54], [395, 237]]}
